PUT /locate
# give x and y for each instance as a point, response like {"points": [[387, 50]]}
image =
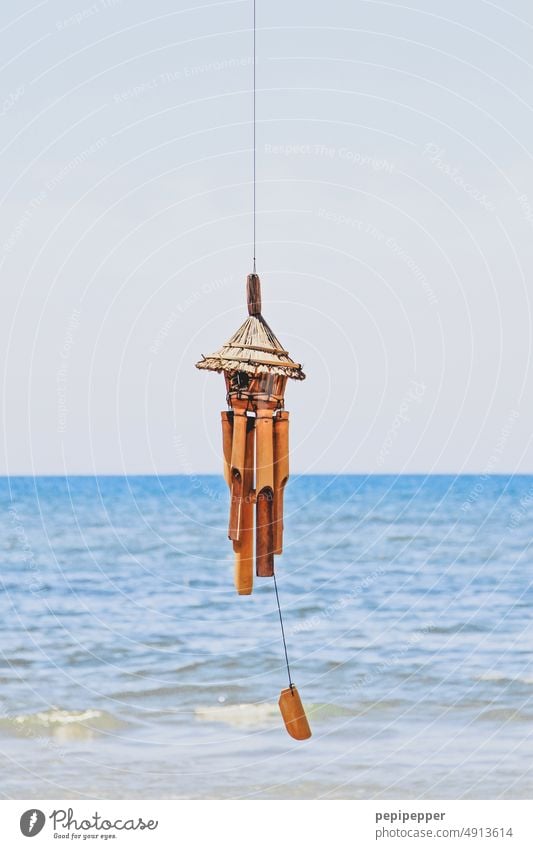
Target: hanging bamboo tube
{"points": [[264, 535], [238, 452], [244, 548], [281, 474], [227, 439], [264, 552]]}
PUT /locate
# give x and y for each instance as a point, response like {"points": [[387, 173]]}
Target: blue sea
{"points": [[131, 669]]}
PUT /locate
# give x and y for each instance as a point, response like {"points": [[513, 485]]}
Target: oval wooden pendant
{"points": [[293, 714]]}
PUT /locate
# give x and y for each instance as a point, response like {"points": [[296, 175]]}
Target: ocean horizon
{"points": [[131, 669]]}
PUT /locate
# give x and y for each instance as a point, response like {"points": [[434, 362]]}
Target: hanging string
{"points": [[254, 132], [291, 685]]}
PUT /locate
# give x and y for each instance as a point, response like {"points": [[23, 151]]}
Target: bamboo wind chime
{"points": [[255, 444]]}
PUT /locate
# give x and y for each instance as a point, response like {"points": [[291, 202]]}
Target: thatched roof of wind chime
{"points": [[254, 348]]}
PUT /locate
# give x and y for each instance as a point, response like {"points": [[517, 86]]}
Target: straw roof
{"points": [[254, 349]]}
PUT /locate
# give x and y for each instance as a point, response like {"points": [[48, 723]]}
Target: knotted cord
{"points": [[291, 685]]}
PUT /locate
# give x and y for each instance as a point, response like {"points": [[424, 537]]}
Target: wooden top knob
{"points": [[253, 294]]}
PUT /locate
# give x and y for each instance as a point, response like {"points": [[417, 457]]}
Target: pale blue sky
{"points": [[395, 224]]}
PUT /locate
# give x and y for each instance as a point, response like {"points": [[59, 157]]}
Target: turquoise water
{"points": [[129, 667]]}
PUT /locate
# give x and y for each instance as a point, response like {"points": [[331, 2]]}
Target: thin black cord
{"points": [[254, 169], [291, 685]]}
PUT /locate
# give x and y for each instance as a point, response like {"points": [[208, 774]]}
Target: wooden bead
{"points": [[253, 294]]}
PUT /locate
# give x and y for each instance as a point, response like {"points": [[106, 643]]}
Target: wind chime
{"points": [[255, 446]]}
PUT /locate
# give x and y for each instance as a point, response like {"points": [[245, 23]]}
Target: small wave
{"points": [[401, 538], [61, 724], [154, 693], [499, 678], [261, 715], [506, 715], [239, 716], [308, 610], [12, 662], [459, 628]]}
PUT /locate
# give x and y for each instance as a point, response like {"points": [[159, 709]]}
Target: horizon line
{"points": [[193, 475]]}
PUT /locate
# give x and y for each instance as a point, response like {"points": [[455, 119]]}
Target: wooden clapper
{"points": [[255, 445]]}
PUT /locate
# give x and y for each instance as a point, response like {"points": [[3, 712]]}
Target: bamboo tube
{"points": [[244, 548], [264, 548], [238, 451], [281, 474], [227, 438], [264, 463], [293, 714], [264, 543]]}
